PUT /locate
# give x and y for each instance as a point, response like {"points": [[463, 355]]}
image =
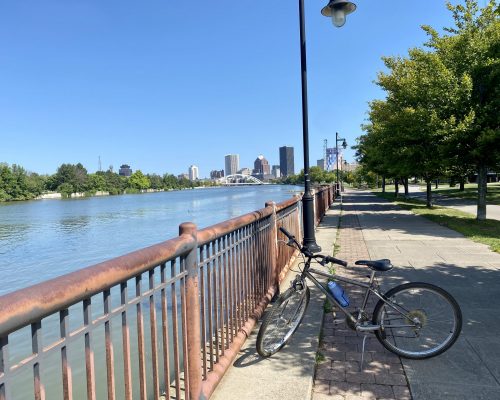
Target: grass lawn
{"points": [[470, 192], [486, 232]]}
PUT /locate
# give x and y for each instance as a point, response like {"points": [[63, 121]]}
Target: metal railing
{"points": [[164, 322]]}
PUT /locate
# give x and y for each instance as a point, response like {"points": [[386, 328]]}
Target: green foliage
{"points": [[139, 181], [17, 184], [440, 115], [316, 175]]}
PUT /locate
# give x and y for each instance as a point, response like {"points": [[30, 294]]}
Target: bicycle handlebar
{"points": [[327, 259]]}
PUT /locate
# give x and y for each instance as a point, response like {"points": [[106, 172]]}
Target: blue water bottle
{"points": [[338, 292]]}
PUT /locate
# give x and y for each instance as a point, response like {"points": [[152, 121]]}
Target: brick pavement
{"points": [[338, 375]]}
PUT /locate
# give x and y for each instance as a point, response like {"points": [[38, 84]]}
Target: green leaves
{"points": [[440, 114]]}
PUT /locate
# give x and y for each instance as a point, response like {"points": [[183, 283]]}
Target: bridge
{"points": [[239, 179]]}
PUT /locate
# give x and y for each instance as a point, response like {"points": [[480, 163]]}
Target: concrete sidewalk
{"points": [[421, 251], [425, 251]]}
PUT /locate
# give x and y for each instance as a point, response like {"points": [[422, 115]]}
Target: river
{"points": [[43, 239]]}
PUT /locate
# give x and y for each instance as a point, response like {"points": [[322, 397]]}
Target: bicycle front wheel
{"points": [[418, 320], [282, 320]]}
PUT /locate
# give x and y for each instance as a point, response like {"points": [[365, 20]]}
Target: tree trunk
{"points": [[405, 182], [429, 193], [437, 183], [396, 187], [462, 185], [383, 184], [481, 192]]}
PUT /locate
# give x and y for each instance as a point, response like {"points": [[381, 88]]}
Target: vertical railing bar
{"points": [[153, 328], [66, 369], [175, 333], [240, 281], [258, 255], [165, 335], [36, 346], [205, 314], [185, 359], [4, 368], [251, 254], [226, 290], [127, 370], [218, 299], [89, 351], [243, 291], [231, 284], [110, 359], [216, 290], [220, 267], [140, 339], [247, 275]]}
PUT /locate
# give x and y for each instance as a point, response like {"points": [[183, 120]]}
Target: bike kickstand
{"points": [[362, 353]]}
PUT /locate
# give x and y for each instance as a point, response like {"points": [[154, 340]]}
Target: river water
{"points": [[43, 239]]}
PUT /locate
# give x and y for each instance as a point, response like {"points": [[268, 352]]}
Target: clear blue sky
{"points": [[161, 85]]}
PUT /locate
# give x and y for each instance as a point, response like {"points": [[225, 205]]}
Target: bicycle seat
{"points": [[377, 265]]}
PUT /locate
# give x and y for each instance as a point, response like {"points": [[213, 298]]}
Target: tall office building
{"points": [[232, 164], [286, 161], [275, 172], [193, 173], [261, 166]]}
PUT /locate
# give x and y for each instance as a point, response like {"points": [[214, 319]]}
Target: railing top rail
{"points": [[216, 231], [24, 306]]}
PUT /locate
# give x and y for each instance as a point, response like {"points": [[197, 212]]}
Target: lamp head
{"points": [[344, 144], [338, 10]]}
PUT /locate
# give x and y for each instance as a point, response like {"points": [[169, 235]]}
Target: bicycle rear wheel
{"points": [[282, 320], [419, 321]]}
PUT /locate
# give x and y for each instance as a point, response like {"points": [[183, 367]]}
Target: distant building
{"points": [[125, 170], [350, 167], [216, 174], [275, 171], [232, 164], [321, 164], [245, 171], [183, 176], [261, 168], [193, 173], [286, 161]]}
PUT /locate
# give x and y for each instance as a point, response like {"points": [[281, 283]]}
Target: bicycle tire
{"points": [[282, 320], [419, 301]]}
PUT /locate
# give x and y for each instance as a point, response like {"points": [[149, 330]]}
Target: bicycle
{"points": [[414, 320]]}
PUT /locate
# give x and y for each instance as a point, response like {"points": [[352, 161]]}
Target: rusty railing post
{"points": [[273, 240], [193, 315], [315, 206]]}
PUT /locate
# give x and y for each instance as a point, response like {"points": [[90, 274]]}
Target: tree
{"points": [[139, 181], [96, 182], [471, 49], [71, 175]]}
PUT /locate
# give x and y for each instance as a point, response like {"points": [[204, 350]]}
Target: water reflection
{"points": [[74, 224]]}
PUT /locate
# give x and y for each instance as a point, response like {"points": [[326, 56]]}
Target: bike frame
{"points": [[370, 287]]}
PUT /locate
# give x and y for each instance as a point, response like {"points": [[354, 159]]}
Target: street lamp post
{"points": [[344, 145], [337, 10]]}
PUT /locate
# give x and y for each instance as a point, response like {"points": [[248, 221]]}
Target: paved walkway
{"points": [[421, 251]]}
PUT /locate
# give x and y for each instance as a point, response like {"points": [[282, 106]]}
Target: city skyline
{"points": [[145, 84]]}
